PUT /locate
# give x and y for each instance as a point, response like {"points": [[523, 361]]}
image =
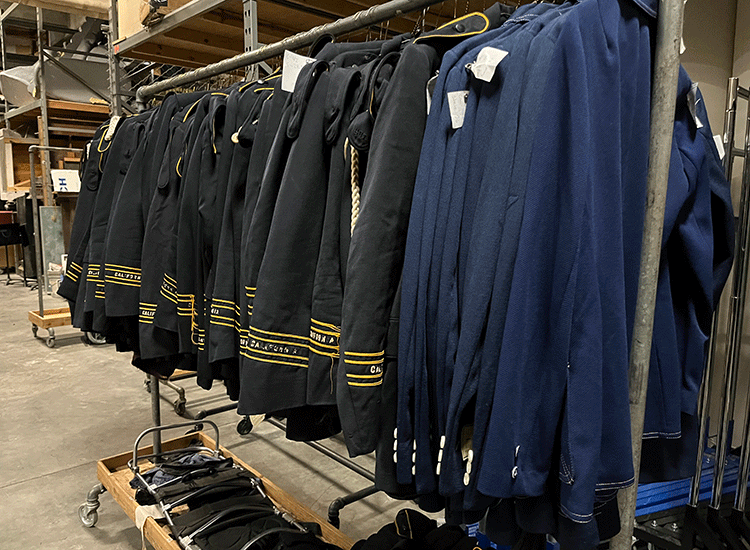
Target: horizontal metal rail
{"points": [[360, 20]]}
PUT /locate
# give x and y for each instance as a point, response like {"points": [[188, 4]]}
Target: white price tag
{"points": [[692, 100], [457, 106], [720, 146], [430, 89], [487, 61], [293, 64]]}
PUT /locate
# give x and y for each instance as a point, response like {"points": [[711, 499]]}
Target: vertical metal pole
{"points": [[739, 294], [704, 401], [663, 100], [5, 66], [40, 280], [155, 411], [44, 130], [250, 23], [115, 104]]}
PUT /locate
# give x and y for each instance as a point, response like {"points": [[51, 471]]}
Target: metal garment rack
{"points": [[41, 273], [362, 19], [666, 68]]}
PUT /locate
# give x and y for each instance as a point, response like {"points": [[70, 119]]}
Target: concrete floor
{"points": [[62, 409]]}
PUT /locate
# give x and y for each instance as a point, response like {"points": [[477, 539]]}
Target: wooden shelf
{"points": [[72, 118], [115, 476]]}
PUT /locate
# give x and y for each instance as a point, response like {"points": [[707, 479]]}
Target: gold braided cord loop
{"points": [[355, 186]]}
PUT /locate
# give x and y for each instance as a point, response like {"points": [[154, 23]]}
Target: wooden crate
{"points": [[16, 173], [57, 317], [114, 474]]}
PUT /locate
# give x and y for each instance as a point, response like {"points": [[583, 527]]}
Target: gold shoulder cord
{"points": [[356, 195]]}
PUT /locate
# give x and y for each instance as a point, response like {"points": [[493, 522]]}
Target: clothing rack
{"points": [[665, 71], [47, 319], [716, 529]]}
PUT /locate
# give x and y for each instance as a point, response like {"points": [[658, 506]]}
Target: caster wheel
{"points": [[179, 407], [88, 518], [95, 338], [50, 342], [34, 330], [244, 426]]}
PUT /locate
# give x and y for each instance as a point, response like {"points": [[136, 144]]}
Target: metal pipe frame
{"points": [[5, 66], [663, 101], [353, 466], [337, 505], [113, 62], [704, 400], [371, 16], [250, 33], [43, 107], [739, 295], [41, 276], [156, 414], [74, 76]]}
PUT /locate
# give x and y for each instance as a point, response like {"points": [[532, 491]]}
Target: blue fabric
{"points": [[497, 208], [568, 310]]}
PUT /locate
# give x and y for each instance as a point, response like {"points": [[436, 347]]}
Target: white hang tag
{"points": [[720, 146], [487, 61], [692, 100], [293, 64], [430, 89], [457, 106], [683, 48], [112, 127]]}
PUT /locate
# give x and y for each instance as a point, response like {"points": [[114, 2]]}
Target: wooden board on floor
{"points": [[114, 474]]}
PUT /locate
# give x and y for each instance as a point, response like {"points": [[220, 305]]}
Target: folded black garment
{"points": [[252, 507], [406, 532], [229, 536], [194, 463], [214, 486], [412, 530]]}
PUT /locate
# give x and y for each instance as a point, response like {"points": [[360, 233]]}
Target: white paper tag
{"points": [[487, 61], [693, 100], [720, 146], [430, 89], [112, 127], [293, 64], [457, 106], [683, 48]]}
